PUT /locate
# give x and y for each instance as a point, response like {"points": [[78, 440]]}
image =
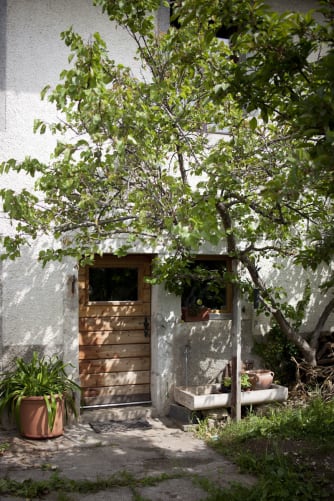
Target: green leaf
{"points": [[253, 123]]}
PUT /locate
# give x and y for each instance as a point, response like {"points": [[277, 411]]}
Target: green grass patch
{"points": [[4, 446], [314, 422], [284, 450], [32, 489]]}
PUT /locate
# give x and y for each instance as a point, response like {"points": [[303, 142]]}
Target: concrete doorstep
{"points": [[176, 459]]}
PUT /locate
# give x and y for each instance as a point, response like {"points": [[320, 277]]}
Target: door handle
{"points": [[146, 327]]}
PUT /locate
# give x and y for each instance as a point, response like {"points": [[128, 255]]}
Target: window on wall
{"points": [[113, 284], [223, 32], [207, 287]]}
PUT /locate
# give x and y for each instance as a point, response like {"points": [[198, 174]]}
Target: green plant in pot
{"points": [[37, 393], [196, 307], [201, 283], [246, 383]]}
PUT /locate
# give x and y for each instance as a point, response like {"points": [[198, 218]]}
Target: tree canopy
{"points": [[217, 142]]}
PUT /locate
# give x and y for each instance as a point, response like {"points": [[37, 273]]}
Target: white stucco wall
{"points": [[34, 305], [292, 5], [38, 306], [36, 55]]}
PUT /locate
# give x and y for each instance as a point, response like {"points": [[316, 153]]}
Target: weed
{"points": [[256, 444], [4, 446], [202, 429], [138, 497], [31, 489], [48, 467], [63, 497], [315, 421], [157, 479]]}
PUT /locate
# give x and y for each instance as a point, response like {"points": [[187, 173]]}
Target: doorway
{"points": [[115, 330]]}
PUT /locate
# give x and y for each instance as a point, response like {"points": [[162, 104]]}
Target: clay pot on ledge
{"points": [[190, 314], [261, 379]]}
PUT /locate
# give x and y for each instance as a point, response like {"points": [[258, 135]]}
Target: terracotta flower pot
{"points": [[34, 418], [188, 315], [261, 379]]}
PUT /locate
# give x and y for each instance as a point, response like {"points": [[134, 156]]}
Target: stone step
{"points": [[117, 413]]}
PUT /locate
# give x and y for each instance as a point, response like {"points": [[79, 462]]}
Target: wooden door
{"points": [[114, 325]]}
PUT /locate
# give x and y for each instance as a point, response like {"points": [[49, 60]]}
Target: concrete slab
{"points": [[171, 489], [118, 494], [165, 452]]}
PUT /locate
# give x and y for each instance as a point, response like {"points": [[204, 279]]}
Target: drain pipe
{"points": [[186, 355]]}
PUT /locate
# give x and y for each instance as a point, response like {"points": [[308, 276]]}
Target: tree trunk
{"points": [[308, 351]]}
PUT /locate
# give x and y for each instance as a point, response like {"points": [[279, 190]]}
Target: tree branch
{"points": [[63, 228]]}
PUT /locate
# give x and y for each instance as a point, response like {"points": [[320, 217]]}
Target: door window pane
{"points": [[113, 284]]}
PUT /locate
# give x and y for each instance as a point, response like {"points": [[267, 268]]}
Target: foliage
{"points": [[195, 307], [276, 352], [41, 376], [278, 481], [245, 382], [200, 282], [36, 489], [290, 422], [4, 446], [173, 160], [257, 445]]}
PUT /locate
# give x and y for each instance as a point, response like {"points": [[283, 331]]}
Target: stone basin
{"points": [[209, 396]]}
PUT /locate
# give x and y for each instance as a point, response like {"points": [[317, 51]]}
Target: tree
{"points": [[175, 157]]}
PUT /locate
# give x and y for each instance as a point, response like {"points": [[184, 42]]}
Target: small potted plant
{"points": [[246, 383], [195, 311], [37, 393]]}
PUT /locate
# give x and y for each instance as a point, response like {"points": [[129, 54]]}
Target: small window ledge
{"points": [[220, 316]]}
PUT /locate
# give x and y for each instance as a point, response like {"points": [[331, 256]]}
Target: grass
{"points": [[32, 489], [290, 450], [4, 446]]}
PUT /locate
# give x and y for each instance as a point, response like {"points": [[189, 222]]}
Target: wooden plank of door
{"points": [[110, 323], [118, 395], [111, 337], [114, 379], [131, 389], [114, 351], [114, 365], [115, 310]]}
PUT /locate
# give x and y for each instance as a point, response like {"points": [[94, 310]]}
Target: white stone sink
{"points": [[209, 397]]}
